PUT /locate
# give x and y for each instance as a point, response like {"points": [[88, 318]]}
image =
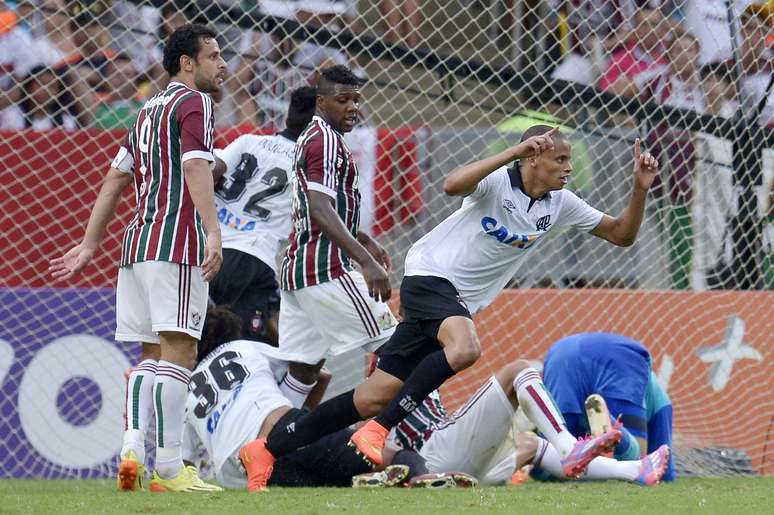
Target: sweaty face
{"points": [[341, 107], [553, 167], [209, 68]]}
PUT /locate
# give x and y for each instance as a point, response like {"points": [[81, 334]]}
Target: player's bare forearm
{"points": [[324, 215], [622, 230], [315, 396], [218, 170], [463, 181], [105, 206], [199, 181]]}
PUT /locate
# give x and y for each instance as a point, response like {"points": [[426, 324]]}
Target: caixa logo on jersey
{"points": [[496, 230], [61, 407]]}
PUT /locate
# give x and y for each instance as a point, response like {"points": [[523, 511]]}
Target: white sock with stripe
{"points": [[169, 395], [547, 458], [540, 408], [139, 407], [294, 390]]}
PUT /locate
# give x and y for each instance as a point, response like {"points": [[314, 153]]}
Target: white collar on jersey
{"points": [[514, 174], [322, 120]]}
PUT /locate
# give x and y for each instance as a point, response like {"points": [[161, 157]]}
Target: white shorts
{"points": [[476, 440], [241, 422], [155, 296], [332, 318]]}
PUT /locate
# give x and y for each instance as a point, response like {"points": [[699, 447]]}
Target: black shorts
{"points": [[248, 287], [425, 302]]}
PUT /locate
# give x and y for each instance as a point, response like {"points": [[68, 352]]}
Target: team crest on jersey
{"points": [[509, 206], [386, 320], [196, 319]]}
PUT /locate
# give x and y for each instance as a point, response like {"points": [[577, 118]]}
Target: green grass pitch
{"points": [[722, 496]]}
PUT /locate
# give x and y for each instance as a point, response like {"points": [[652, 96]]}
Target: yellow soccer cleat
{"points": [[187, 480], [130, 473]]}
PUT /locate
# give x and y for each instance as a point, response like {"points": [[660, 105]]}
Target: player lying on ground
{"points": [[479, 439], [618, 370], [456, 269], [166, 259], [254, 209], [234, 397], [327, 307]]}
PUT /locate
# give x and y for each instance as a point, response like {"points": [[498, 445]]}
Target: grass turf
{"points": [[736, 495]]}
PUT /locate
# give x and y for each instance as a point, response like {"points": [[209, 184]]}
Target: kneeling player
{"points": [[234, 397], [479, 439], [618, 370]]}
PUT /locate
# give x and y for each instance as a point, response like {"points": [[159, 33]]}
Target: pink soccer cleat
{"points": [[653, 466], [586, 449]]}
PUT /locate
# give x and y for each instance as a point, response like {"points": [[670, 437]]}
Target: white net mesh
{"points": [[447, 82]]}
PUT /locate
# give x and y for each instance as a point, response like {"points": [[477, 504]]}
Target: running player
{"points": [[253, 204], [170, 250], [457, 268], [618, 369], [234, 396], [328, 307]]}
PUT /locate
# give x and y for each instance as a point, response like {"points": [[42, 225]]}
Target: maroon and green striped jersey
{"points": [[322, 162], [172, 127], [413, 431]]}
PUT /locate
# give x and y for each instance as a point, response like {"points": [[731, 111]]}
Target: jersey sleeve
{"points": [[490, 184], [124, 160], [196, 121], [577, 213], [319, 155]]}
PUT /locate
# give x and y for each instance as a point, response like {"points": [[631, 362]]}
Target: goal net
{"points": [[446, 83]]}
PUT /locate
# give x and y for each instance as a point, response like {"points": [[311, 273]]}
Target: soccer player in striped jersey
{"points": [[327, 307], [480, 439], [458, 268], [170, 249], [254, 208]]}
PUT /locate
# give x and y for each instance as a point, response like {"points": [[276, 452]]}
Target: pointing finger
{"points": [[637, 148]]}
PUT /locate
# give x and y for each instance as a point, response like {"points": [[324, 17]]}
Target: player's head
{"points": [[220, 326], [302, 106], [550, 169], [338, 97], [192, 55]]}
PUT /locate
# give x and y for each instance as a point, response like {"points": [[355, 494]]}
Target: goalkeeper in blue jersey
{"points": [[596, 377]]}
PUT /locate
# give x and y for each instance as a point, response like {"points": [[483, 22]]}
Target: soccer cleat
{"points": [[597, 415], [258, 463], [586, 449], [368, 442], [184, 481], [653, 466], [130, 473], [393, 475], [444, 480]]}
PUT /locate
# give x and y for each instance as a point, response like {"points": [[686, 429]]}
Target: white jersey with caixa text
{"points": [[253, 199], [479, 247]]}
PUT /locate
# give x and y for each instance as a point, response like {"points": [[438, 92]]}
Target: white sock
{"points": [[600, 467], [169, 394], [541, 410], [294, 390], [139, 407]]}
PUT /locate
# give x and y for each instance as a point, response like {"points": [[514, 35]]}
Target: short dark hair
{"points": [[185, 40], [338, 74], [221, 326], [539, 130], [301, 110]]}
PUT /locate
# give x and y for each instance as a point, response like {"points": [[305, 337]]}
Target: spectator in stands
{"points": [[40, 107], [718, 87], [134, 32], [637, 63], [50, 28], [17, 53], [757, 22], [679, 84], [403, 19], [708, 21], [269, 68], [126, 94]]}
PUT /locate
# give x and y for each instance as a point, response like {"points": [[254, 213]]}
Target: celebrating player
{"points": [[457, 268], [327, 307], [170, 249], [253, 204], [234, 397], [479, 439], [617, 371]]}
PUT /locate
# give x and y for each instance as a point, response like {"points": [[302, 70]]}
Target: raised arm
{"points": [[622, 230], [463, 181], [76, 259], [324, 215]]}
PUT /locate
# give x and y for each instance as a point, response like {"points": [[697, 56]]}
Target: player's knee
{"points": [[507, 374], [463, 354]]}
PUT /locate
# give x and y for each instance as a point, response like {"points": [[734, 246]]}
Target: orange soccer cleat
{"points": [[258, 463], [368, 442]]}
